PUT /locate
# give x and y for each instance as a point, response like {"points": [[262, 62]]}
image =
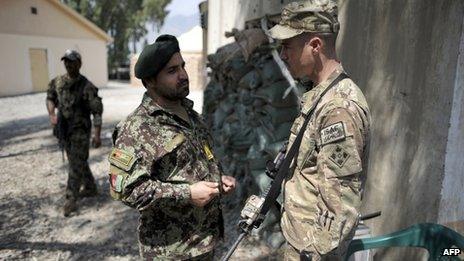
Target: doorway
{"points": [[39, 69]]}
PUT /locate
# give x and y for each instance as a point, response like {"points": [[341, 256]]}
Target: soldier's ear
{"points": [[149, 82]]}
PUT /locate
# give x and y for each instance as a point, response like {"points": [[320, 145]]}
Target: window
{"points": [[34, 10]]}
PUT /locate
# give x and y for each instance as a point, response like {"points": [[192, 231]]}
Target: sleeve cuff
{"points": [[97, 120], [182, 193]]}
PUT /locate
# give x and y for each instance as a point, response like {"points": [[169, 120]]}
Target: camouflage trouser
{"points": [[292, 254], [77, 152]]}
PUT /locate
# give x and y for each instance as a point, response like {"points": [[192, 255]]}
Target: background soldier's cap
{"points": [[155, 56], [316, 16], [71, 55]]}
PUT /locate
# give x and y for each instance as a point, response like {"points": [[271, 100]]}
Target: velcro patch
{"points": [[116, 182], [176, 141], [122, 159], [332, 133], [339, 156]]}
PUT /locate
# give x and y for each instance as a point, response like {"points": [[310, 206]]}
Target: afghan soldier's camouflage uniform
{"points": [[156, 156], [76, 99], [323, 196]]}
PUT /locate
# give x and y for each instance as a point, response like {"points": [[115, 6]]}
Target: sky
{"points": [[183, 16], [184, 7]]}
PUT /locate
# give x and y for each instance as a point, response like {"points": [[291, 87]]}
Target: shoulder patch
{"points": [[122, 159], [339, 156], [332, 133], [176, 141]]}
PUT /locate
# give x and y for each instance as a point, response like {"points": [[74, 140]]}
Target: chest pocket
{"points": [[179, 163]]}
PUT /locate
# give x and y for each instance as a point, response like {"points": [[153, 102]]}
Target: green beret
{"points": [[155, 56]]}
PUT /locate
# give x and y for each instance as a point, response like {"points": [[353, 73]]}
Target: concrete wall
{"points": [[452, 200], [404, 55], [408, 57], [15, 68]]}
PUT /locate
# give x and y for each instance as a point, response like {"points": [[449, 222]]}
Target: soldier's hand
{"points": [[203, 192], [228, 184], [96, 141], [53, 119]]}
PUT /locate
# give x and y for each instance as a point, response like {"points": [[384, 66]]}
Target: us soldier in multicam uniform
{"points": [[76, 98], [162, 163], [323, 196]]}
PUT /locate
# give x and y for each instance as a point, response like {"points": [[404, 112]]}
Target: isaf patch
{"points": [[332, 133], [339, 156]]}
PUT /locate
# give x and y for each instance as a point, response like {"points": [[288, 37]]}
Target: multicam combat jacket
{"points": [[76, 99], [323, 196], [156, 156]]}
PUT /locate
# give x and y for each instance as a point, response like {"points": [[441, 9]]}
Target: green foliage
{"points": [[124, 20]]}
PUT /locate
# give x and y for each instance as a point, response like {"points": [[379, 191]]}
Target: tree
{"points": [[124, 20]]}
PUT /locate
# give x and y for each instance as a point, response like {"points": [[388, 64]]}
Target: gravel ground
{"points": [[33, 180]]}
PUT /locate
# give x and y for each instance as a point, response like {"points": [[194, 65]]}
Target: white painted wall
{"points": [[452, 200], [15, 72], [50, 20]]}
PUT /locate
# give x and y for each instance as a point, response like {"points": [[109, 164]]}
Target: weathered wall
{"points": [[452, 201], [403, 54]]}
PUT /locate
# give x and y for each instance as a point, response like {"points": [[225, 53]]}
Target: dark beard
{"points": [[181, 91]]}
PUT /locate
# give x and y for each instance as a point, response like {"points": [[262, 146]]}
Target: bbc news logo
{"points": [[452, 252]]}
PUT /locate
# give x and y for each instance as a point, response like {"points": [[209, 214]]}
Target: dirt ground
{"points": [[33, 179]]}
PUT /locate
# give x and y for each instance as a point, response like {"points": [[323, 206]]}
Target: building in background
{"points": [[34, 34], [191, 47]]}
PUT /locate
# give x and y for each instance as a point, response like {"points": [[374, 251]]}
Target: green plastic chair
{"points": [[433, 237]]}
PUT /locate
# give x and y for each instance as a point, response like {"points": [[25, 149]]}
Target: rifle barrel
{"points": [[371, 215], [234, 246]]}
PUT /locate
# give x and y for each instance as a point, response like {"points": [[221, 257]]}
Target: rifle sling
{"points": [[275, 188]]}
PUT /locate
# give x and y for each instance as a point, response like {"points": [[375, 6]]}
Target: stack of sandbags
{"points": [[249, 117]]}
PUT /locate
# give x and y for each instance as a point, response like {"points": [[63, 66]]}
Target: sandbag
{"points": [[270, 72], [251, 80], [273, 94], [278, 115]]}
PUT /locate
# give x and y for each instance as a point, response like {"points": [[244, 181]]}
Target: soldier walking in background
{"points": [[71, 98], [322, 196], [162, 163]]}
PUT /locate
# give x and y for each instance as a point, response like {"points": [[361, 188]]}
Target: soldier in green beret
{"points": [[322, 196], [162, 163]]}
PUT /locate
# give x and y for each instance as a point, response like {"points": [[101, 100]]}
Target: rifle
{"points": [[250, 215], [60, 131]]}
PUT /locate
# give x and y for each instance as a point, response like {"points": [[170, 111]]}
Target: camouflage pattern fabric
{"points": [[77, 152], [316, 16], [76, 100], [323, 196], [156, 156], [63, 92]]}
